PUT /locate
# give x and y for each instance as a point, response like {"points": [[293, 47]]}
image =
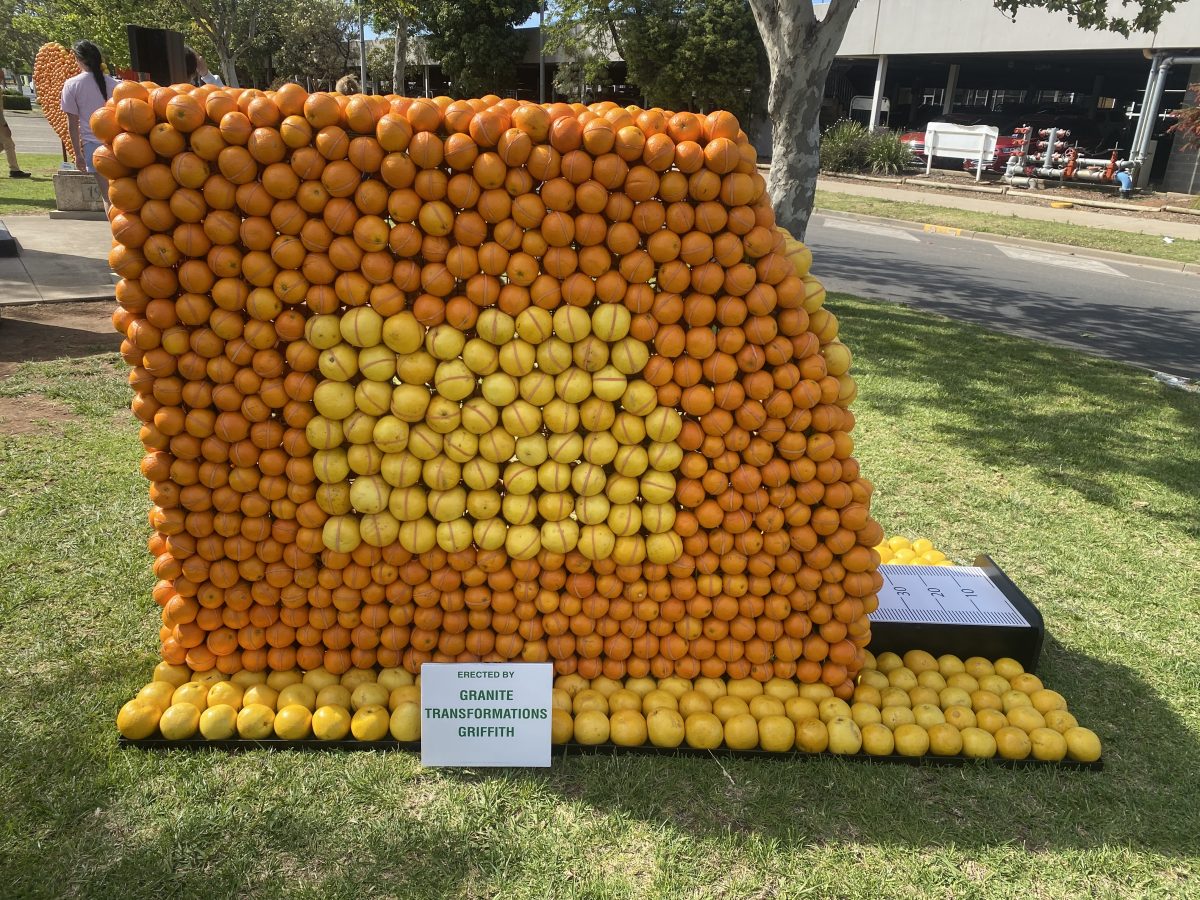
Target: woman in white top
{"points": [[82, 95]]}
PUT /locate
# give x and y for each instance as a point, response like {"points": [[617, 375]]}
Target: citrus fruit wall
{"points": [[481, 380]]}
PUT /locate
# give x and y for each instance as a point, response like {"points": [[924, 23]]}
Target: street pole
{"points": [[541, 53], [362, 50]]}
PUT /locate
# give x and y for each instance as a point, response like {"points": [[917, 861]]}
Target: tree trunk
{"points": [[400, 57], [800, 50], [228, 68]]}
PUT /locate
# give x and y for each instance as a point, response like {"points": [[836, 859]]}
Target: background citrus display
{"points": [[912, 707], [481, 380], [52, 66]]}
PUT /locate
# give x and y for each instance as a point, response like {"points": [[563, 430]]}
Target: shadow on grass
{"points": [[23, 341], [1077, 423], [10, 205], [1163, 335]]}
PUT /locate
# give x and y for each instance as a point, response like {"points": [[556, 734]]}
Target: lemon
{"points": [[591, 726], [561, 725], [219, 723], [138, 718], [844, 736], [674, 685], [911, 740], [157, 692], [981, 699], [1060, 720], [369, 694], [919, 660], [765, 705], [293, 722], [923, 696], [899, 542], [712, 688], [960, 717], [370, 723], [994, 683], [354, 677], [903, 678], [831, 708], [944, 739], [922, 545], [866, 693], [927, 715], [931, 678], [949, 664], [280, 679], [255, 721], [331, 722], [320, 678], [209, 678], [192, 692], [865, 714], [1007, 667], [394, 678], [978, 666], [644, 685], [725, 708], [745, 688], [894, 696], [605, 685], [172, 674], [226, 693], [904, 556], [589, 699], [782, 688], [623, 699], [874, 678], [741, 732], [1048, 744], [812, 736], [627, 727], [968, 683], [799, 708], [246, 678], [703, 731], [260, 695], [990, 720], [952, 696], [333, 695], [815, 692], [877, 739], [179, 721], [776, 734], [895, 716], [978, 744], [1082, 744], [408, 693], [665, 728], [405, 724], [572, 683], [1045, 701], [694, 702], [868, 659], [559, 699], [1026, 718], [1014, 698], [1013, 743], [298, 694], [933, 557]]}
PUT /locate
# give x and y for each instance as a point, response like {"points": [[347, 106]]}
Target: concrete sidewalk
{"points": [[1077, 217], [60, 259]]}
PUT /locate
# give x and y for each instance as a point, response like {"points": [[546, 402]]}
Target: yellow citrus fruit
{"points": [[1014, 698], [924, 696], [260, 695], [330, 722], [1060, 720], [968, 683], [293, 722], [1048, 744], [192, 692], [591, 726], [776, 734], [281, 678], [219, 723], [559, 699], [978, 744], [865, 714], [931, 678], [745, 688], [903, 678], [298, 694], [990, 720], [589, 700], [873, 678], [949, 664], [606, 686], [877, 739], [1026, 718], [646, 684], [370, 723], [179, 722], [226, 693], [320, 678], [369, 694], [812, 736], [832, 708], [627, 728], [255, 721], [741, 732], [623, 699], [783, 688], [765, 705], [703, 731], [977, 666], [725, 708], [895, 716], [246, 678], [1046, 700], [815, 692], [138, 719], [157, 692], [953, 696], [944, 739], [1027, 683], [658, 699], [911, 740], [172, 674], [561, 726], [406, 694], [354, 677], [844, 736], [694, 702], [994, 683], [394, 678], [919, 660], [894, 696], [572, 683], [867, 693], [1082, 744], [665, 728], [927, 715], [960, 717], [800, 708], [405, 724], [333, 695], [674, 685], [209, 678], [981, 699], [1007, 667], [1013, 743]]}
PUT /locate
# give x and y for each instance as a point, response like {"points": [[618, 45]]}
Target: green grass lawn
{"points": [[1079, 476], [30, 195], [1013, 226]]}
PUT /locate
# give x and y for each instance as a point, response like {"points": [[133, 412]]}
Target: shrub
{"points": [[845, 147], [16, 100], [888, 155]]}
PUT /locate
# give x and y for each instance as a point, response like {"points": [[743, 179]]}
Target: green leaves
{"points": [[475, 42], [1095, 13]]}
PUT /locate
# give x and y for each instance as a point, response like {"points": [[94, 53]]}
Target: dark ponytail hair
{"points": [[89, 54]]}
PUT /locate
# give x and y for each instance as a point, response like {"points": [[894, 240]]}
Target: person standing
{"points": [[197, 69], [82, 95], [10, 147]]}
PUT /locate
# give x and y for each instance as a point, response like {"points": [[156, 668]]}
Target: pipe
{"points": [[1150, 107]]}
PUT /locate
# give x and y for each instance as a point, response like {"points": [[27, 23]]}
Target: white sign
{"points": [[943, 595], [486, 714], [977, 142]]}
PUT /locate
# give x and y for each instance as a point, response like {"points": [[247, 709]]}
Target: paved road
{"points": [[32, 132], [1136, 314]]}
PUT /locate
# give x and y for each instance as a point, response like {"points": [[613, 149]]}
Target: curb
{"points": [[88, 298], [987, 236]]}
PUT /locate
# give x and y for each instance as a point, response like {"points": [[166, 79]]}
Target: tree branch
{"points": [[829, 33]]}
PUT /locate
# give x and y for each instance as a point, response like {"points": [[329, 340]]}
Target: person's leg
{"points": [[10, 150], [89, 150]]}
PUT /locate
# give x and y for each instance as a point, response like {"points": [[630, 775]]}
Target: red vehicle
{"points": [[1006, 146]]}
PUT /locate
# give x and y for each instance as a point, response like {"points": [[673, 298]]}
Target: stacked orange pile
{"points": [[433, 380], [52, 66]]}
